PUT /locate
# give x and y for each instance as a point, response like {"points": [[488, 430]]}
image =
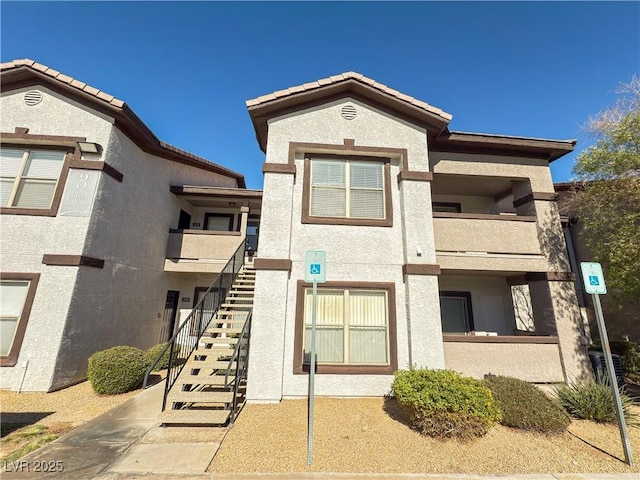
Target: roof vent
{"points": [[348, 112], [32, 97]]}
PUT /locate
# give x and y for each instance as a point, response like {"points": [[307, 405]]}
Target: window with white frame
{"points": [[347, 189], [28, 178], [13, 297], [352, 326]]}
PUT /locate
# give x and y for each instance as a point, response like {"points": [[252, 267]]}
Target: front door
{"points": [[169, 318]]}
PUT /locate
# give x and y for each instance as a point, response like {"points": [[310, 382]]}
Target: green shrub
{"points": [[442, 403], [117, 370], [527, 407], [593, 400], [153, 353]]}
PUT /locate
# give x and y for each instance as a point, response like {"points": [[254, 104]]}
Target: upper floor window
{"points": [[28, 178], [347, 191]]}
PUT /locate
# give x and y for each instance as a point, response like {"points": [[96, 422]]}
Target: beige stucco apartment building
{"points": [[444, 249], [104, 239]]}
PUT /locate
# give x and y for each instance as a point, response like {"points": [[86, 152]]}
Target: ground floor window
{"points": [[455, 312], [16, 296], [355, 328]]}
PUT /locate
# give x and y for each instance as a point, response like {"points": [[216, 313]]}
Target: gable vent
{"points": [[32, 97], [348, 112]]}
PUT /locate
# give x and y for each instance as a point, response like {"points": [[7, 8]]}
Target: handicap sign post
{"points": [[314, 271], [593, 280]]}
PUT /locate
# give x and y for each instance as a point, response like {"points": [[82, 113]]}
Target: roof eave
{"points": [[19, 76], [467, 142], [262, 112]]}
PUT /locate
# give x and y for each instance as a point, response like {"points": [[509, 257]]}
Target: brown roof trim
{"points": [[72, 261], [483, 143], [538, 196], [415, 175], [550, 276], [349, 84], [500, 339], [272, 264], [25, 73], [94, 165], [286, 168], [421, 269], [486, 216], [199, 191]]}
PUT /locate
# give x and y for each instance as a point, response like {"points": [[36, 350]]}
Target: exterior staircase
{"points": [[210, 388]]}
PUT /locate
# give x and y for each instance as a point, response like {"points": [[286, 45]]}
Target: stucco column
{"points": [[266, 359], [556, 312], [424, 331], [244, 218]]}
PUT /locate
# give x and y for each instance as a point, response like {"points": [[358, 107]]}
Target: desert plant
{"points": [[525, 406], [154, 352], [593, 400], [117, 370], [442, 403]]}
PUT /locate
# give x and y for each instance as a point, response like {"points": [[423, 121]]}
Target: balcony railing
{"points": [[203, 251]]}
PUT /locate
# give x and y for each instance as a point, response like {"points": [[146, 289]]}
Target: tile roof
{"points": [[335, 79], [143, 136], [97, 93]]}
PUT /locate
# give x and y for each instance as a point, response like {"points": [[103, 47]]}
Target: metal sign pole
{"points": [[312, 374], [613, 380]]}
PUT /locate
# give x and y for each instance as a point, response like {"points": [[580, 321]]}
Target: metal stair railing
{"points": [[241, 357], [186, 339]]}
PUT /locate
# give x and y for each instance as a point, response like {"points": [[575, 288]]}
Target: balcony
{"points": [[534, 359], [488, 242], [200, 251]]}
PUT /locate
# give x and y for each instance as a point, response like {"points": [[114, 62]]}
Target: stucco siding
{"points": [[533, 169], [538, 363], [354, 253]]}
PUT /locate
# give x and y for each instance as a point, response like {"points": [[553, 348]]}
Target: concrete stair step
{"points": [[208, 364], [223, 330], [218, 341], [201, 397], [204, 379], [236, 305], [215, 351], [195, 417]]}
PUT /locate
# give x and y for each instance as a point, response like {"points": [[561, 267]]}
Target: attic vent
{"points": [[348, 112], [32, 97]]}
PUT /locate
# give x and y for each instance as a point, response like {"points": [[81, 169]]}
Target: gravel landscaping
{"points": [[371, 435]]}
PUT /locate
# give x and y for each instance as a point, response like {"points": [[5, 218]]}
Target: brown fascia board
{"points": [[199, 191], [126, 120], [482, 143], [262, 112]]}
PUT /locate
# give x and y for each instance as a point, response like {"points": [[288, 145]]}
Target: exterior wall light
{"points": [[90, 147]]}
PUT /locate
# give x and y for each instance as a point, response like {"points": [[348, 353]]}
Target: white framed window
{"points": [[29, 177], [17, 291], [353, 189], [455, 312], [352, 326]]}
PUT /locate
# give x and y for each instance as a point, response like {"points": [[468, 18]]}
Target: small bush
{"points": [[153, 353], [117, 370], [526, 407], [593, 400], [442, 403]]}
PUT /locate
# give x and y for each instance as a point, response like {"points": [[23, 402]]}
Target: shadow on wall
{"points": [[570, 323]]}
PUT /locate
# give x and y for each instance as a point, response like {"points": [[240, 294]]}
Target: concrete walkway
{"points": [[128, 443]]}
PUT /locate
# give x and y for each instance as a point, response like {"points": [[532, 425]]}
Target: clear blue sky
{"points": [[532, 69]]}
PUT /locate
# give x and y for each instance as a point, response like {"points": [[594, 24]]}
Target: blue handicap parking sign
{"points": [[314, 269], [593, 280]]}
